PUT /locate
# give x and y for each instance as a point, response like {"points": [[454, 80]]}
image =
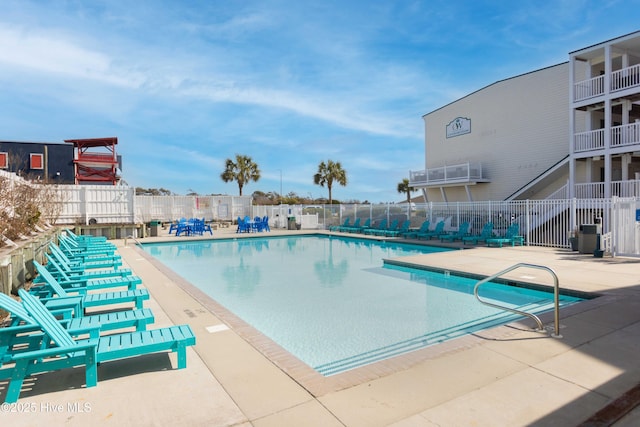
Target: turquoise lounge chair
{"points": [[57, 349], [86, 245], [88, 256], [433, 233], [138, 319], [83, 285], [338, 227], [59, 270], [85, 252], [56, 297], [376, 229], [485, 233], [510, 237], [347, 229], [81, 264], [385, 231], [399, 230], [361, 228], [463, 230], [412, 234], [81, 238]]}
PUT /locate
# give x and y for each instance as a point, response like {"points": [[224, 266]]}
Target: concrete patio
{"points": [[508, 375]]}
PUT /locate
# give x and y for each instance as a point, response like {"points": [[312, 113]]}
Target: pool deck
{"points": [[509, 375]]}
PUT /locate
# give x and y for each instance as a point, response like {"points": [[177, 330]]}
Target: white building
{"points": [[569, 130]]}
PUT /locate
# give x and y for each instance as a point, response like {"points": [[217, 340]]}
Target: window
{"points": [[4, 160], [36, 161]]}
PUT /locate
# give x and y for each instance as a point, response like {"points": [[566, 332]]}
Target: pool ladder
{"points": [[133, 238], [556, 296]]}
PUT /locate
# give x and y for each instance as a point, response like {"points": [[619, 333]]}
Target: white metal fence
{"points": [[547, 223]]}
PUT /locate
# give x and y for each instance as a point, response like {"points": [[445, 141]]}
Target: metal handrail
{"points": [[134, 239], [556, 296]]}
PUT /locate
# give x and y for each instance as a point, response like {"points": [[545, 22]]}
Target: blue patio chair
{"points": [[206, 227], [243, 226], [174, 225], [187, 228], [265, 224], [261, 224]]}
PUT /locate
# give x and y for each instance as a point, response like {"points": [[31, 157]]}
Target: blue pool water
{"points": [[332, 302]]}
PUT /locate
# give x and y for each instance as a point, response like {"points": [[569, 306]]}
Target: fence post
{"points": [[84, 204], [528, 221]]}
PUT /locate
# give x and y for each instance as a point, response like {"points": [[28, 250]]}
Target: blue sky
{"points": [[184, 85]]}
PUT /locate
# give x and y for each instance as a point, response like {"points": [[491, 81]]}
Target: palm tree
{"points": [[243, 170], [403, 187], [328, 173]]}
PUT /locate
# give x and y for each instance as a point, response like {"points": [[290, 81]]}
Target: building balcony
{"points": [[619, 80], [595, 190], [589, 88], [466, 173], [621, 136]]}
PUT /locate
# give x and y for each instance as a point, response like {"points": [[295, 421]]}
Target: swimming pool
{"points": [[333, 303]]}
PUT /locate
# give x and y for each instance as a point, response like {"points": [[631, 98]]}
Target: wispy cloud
{"points": [[185, 86]]}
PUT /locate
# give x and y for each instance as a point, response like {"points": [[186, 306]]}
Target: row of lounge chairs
{"points": [[49, 328], [463, 234], [395, 229]]}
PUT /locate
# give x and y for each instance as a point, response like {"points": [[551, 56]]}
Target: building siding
{"points": [[58, 160], [519, 128]]}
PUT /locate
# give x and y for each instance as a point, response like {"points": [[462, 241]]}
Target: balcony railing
{"points": [[589, 140], [625, 78], [588, 88], [620, 79], [466, 172], [595, 190], [625, 134]]}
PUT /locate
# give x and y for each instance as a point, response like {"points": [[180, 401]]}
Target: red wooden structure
{"points": [[95, 160]]}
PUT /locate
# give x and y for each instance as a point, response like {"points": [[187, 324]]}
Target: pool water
{"points": [[333, 303]]}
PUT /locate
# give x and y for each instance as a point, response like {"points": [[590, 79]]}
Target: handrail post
{"points": [[556, 296], [131, 237]]}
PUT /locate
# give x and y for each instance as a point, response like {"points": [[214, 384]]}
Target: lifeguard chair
{"points": [[95, 160]]}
